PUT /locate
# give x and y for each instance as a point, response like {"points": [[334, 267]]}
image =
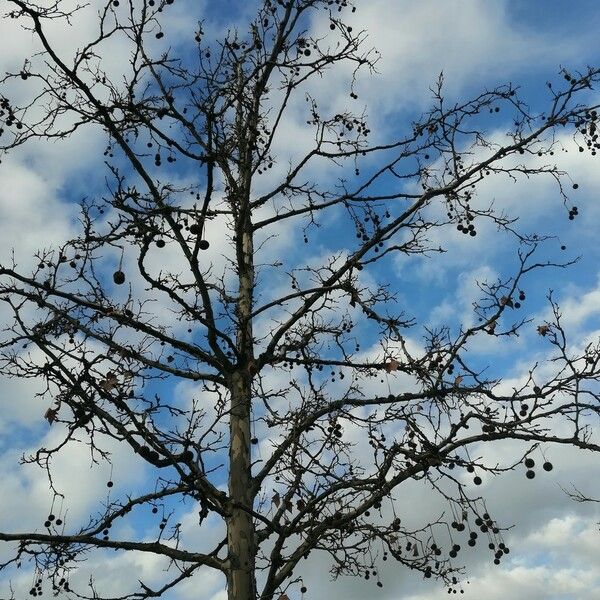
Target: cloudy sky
{"points": [[477, 44]]}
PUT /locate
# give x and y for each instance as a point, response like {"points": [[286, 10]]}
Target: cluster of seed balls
{"points": [[195, 229], [530, 463]]}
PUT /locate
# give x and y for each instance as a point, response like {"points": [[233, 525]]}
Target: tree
{"points": [[273, 346]]}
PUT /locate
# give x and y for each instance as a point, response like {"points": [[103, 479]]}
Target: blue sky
{"points": [[478, 45]]}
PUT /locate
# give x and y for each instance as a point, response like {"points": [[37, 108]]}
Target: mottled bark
{"points": [[240, 526]]}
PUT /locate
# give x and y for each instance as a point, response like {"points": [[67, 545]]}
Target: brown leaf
{"points": [[284, 597], [110, 382], [289, 505], [543, 329], [458, 380], [50, 415], [391, 365], [276, 499], [506, 301]]}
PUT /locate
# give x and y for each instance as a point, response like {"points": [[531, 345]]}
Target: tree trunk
{"points": [[240, 527], [241, 584]]}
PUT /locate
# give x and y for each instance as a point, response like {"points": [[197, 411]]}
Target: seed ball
{"points": [[51, 517], [119, 277], [254, 441], [154, 510], [471, 542], [195, 229], [109, 484], [547, 466], [529, 463], [575, 186], [303, 589], [47, 524], [203, 244], [477, 480], [59, 521], [160, 243], [530, 474]]}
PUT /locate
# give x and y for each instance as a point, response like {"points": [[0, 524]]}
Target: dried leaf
{"points": [[391, 365], [289, 505], [51, 415], [458, 380], [110, 382], [276, 499], [543, 329], [506, 301], [284, 597]]}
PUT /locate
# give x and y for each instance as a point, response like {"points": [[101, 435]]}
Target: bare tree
{"points": [[273, 348]]}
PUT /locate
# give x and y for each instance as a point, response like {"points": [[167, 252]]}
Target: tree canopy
{"points": [[228, 314]]}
